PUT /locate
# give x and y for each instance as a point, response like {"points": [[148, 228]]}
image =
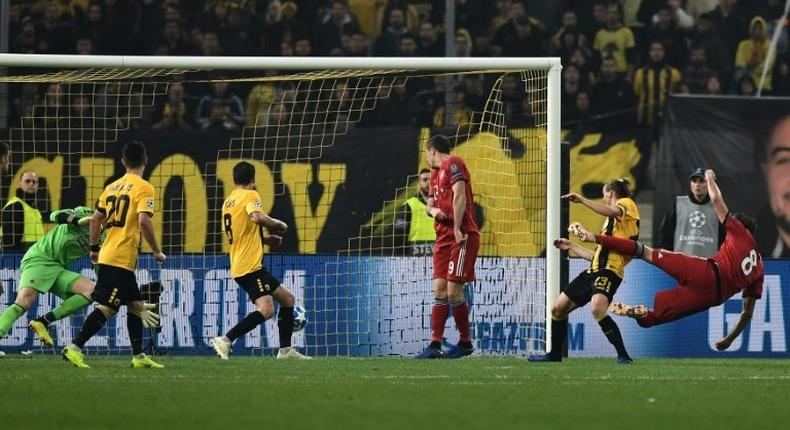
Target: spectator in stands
{"points": [[571, 85], [464, 46], [580, 57], [682, 230], [612, 99], [49, 110], [26, 42], [369, 15], [428, 45], [665, 30], [236, 36], [501, 16], [303, 48], [283, 27], [697, 73], [705, 35], [570, 27], [652, 85], [359, 45], [211, 46], [459, 114], [338, 22], [394, 110], [174, 39], [389, 40], [84, 46], [752, 55], [519, 37], [5, 157], [94, 27], [220, 109], [781, 79], [746, 86], [56, 36], [616, 40], [122, 20], [286, 49], [408, 46], [713, 86], [173, 113], [599, 20], [475, 95], [731, 26], [697, 8], [22, 218], [259, 100], [515, 104], [580, 118], [680, 16], [80, 116]]}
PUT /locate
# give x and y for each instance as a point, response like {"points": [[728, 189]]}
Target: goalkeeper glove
{"points": [[150, 319]]}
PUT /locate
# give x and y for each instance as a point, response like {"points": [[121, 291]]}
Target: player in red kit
{"points": [[702, 282], [451, 205]]}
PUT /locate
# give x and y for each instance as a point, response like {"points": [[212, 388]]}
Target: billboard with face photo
{"points": [[747, 142]]}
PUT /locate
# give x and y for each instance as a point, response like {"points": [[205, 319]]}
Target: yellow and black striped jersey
{"points": [[245, 238], [625, 226], [121, 202]]}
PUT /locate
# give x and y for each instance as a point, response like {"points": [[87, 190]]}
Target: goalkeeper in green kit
{"points": [[44, 269]]}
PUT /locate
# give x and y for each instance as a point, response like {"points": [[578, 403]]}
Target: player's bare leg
{"points": [[439, 314], [264, 309], [285, 324], [560, 310]]}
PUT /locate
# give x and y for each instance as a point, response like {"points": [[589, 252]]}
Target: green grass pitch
{"points": [[45, 392]]}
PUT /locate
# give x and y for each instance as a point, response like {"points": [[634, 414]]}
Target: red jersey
{"points": [[451, 171], [740, 265]]}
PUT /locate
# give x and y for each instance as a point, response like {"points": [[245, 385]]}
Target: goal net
{"points": [[338, 149]]}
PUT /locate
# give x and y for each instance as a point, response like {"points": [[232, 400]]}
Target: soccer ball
{"points": [[300, 318]]}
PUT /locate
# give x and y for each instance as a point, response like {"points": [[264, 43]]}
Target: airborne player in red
{"points": [[451, 205], [702, 282]]}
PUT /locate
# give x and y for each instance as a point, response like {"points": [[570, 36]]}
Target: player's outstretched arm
{"points": [[96, 221], [274, 224], [567, 245], [147, 229], [715, 196], [599, 208], [743, 321]]}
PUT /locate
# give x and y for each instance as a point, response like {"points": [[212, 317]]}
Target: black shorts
{"points": [[581, 289], [115, 287], [258, 283]]}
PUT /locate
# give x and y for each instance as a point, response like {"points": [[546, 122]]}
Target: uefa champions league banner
{"points": [[355, 305], [381, 306]]}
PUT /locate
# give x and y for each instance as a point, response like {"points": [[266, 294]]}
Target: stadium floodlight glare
{"points": [[77, 105]]}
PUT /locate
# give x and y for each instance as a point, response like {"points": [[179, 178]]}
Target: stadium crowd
{"points": [[621, 58]]}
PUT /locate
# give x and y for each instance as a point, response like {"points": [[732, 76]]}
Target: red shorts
{"points": [[456, 262], [695, 292]]}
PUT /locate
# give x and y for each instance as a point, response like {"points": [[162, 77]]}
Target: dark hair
{"points": [[747, 220], [424, 170], [620, 187], [440, 143], [134, 154], [243, 173], [4, 149]]}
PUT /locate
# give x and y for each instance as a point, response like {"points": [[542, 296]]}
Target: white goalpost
{"points": [[307, 136]]}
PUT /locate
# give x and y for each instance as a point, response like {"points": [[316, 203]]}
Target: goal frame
{"points": [[552, 65]]}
